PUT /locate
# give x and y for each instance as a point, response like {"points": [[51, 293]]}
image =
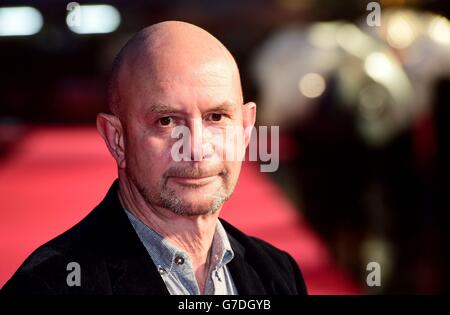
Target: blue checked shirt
{"points": [[175, 266]]}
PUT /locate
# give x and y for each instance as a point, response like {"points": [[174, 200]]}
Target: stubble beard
{"points": [[165, 197]]}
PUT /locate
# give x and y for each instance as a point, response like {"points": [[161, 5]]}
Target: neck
{"points": [[192, 234]]}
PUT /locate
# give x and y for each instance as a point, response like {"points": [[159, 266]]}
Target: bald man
{"points": [[174, 96]]}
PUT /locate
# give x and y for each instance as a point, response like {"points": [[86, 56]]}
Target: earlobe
{"points": [[110, 129]]}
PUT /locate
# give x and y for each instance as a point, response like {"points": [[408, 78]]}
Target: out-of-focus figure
{"points": [[357, 102]]}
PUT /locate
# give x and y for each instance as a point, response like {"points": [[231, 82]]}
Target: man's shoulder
{"points": [[48, 265], [81, 237], [257, 249], [249, 242], [274, 266], [86, 237]]}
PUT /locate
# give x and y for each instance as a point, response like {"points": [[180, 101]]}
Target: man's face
{"points": [[207, 100]]}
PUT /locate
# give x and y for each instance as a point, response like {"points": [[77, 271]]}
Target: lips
{"points": [[196, 181]]}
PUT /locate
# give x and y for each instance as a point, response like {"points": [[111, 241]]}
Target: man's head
{"points": [[168, 75]]}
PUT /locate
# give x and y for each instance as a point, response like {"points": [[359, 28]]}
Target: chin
{"points": [[199, 205], [190, 209]]}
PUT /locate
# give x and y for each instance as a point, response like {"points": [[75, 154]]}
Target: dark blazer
{"points": [[113, 260]]}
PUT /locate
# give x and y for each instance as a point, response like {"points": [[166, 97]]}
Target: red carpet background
{"points": [[55, 175]]}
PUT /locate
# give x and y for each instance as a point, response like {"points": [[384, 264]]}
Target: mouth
{"points": [[195, 181]]}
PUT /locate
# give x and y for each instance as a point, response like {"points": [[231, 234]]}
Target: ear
{"points": [[110, 128], [249, 119]]}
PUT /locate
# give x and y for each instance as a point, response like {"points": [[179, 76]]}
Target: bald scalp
{"points": [[163, 45]]}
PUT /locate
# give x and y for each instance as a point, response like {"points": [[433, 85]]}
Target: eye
{"points": [[165, 121], [215, 117]]}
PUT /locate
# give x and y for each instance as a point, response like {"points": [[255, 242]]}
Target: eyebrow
{"points": [[160, 108], [223, 107]]}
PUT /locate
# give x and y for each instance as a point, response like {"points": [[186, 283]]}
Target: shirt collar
{"points": [[222, 253], [164, 253]]}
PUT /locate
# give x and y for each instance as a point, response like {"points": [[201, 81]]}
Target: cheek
{"points": [[152, 154]]}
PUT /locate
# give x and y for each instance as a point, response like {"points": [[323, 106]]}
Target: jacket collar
{"points": [[131, 271], [244, 275]]}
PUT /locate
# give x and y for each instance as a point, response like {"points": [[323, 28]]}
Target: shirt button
{"points": [[161, 270], [179, 260]]}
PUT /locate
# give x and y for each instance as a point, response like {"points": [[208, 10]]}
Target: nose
{"points": [[201, 149]]}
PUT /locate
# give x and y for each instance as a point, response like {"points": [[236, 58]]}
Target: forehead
{"points": [[185, 87], [179, 72]]}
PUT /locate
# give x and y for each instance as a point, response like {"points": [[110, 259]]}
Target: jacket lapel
{"points": [[130, 268], [245, 278]]}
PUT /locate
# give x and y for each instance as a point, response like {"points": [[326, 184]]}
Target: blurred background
{"points": [[360, 98]]}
